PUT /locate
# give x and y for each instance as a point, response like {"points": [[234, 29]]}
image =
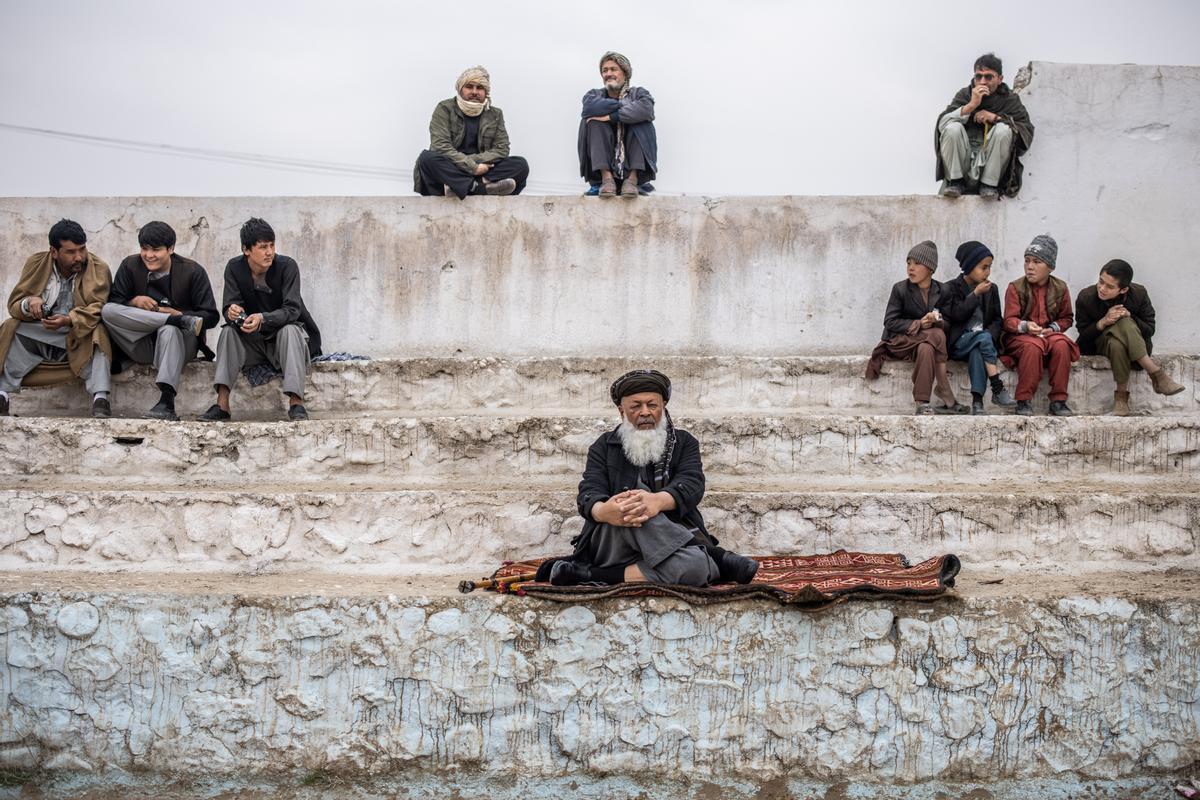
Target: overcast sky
{"points": [[752, 97]]}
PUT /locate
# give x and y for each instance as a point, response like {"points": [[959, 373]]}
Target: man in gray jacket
{"points": [[468, 145], [617, 141]]}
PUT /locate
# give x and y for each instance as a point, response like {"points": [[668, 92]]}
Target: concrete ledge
{"points": [[537, 385], [1032, 678], [1065, 529], [920, 450]]}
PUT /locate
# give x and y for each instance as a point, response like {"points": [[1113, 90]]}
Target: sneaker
{"points": [[1059, 408], [297, 413], [1163, 384], [186, 322], [608, 188], [923, 410], [504, 187], [954, 189], [977, 407], [957, 408], [736, 567], [162, 410], [629, 189], [1003, 398], [988, 191], [3, 406], [101, 408], [215, 414], [1024, 408]]}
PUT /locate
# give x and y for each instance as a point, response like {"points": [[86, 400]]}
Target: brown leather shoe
{"points": [[629, 189], [1163, 383], [608, 188], [1120, 403]]}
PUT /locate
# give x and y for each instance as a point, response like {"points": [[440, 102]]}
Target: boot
{"points": [[1120, 403], [1163, 383]]}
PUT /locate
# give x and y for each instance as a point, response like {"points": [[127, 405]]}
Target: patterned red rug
{"points": [[808, 581]]}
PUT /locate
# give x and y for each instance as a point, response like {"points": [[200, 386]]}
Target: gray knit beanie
{"points": [[924, 253], [1043, 248]]}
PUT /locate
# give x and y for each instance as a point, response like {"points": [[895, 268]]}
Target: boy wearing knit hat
{"points": [[468, 145], [1115, 319], [913, 331], [1037, 314], [971, 307]]}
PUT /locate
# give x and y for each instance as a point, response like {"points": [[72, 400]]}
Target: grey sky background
{"points": [[753, 98]]}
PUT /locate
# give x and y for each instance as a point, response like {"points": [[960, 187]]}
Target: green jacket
{"points": [[446, 130]]}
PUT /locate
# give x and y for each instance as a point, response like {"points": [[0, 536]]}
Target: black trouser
{"points": [[438, 170], [602, 141]]}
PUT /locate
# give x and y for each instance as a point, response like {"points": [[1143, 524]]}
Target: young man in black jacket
{"points": [[266, 321], [971, 306], [160, 305], [1115, 319], [639, 499]]}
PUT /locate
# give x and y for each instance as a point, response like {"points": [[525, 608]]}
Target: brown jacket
{"points": [[86, 334]]}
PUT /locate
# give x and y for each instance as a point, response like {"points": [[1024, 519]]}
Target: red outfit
{"points": [[1031, 354]]}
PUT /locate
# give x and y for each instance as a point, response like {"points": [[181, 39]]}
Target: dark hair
{"points": [[68, 230], [156, 234], [989, 61], [1120, 270], [256, 230]]}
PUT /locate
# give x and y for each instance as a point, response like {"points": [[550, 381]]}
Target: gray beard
{"points": [[642, 448]]}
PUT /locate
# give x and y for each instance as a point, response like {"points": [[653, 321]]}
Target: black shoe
{"points": [[162, 410], [977, 406], [736, 567], [3, 406], [215, 414], [1024, 408], [957, 408], [989, 191], [1002, 397], [954, 189], [1059, 408], [101, 409], [569, 573], [297, 413]]}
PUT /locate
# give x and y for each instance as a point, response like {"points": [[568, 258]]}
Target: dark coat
{"points": [[608, 472], [1090, 309], [283, 307], [905, 306], [958, 304], [1006, 104], [636, 111]]}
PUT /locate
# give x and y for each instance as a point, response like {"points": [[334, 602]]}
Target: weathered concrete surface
{"points": [[1070, 528], [540, 385], [1030, 678], [1112, 174], [484, 450]]}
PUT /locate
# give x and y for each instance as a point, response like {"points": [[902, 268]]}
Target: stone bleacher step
{"points": [[223, 675], [700, 384], [767, 447]]}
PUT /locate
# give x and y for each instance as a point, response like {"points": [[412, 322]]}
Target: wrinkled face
{"points": [[156, 258], [1036, 270], [982, 271], [261, 256], [612, 75], [642, 410], [69, 256], [917, 272], [472, 92], [988, 78], [1108, 288]]}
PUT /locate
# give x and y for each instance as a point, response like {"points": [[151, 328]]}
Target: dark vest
{"points": [[274, 278]]}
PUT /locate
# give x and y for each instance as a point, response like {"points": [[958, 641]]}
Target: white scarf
{"points": [[472, 109]]}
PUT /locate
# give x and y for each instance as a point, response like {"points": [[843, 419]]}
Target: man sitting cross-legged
{"points": [[639, 497]]}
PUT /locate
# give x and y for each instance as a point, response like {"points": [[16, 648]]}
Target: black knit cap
{"points": [[638, 381], [969, 254]]}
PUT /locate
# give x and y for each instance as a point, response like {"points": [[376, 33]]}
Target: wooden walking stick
{"points": [[499, 584]]}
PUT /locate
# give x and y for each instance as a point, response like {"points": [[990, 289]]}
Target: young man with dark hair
{"points": [[55, 332], [267, 322], [160, 305], [1115, 319], [981, 135]]}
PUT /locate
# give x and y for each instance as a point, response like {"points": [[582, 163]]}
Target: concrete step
{"points": [[1067, 527], [218, 675], [539, 385], [920, 450]]}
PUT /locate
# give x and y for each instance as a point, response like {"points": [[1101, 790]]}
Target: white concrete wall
{"points": [[1113, 173]]}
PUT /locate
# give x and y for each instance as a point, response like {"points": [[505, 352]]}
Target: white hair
{"points": [[643, 447]]}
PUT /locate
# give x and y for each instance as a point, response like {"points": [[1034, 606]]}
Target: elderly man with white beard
{"points": [[639, 497]]}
